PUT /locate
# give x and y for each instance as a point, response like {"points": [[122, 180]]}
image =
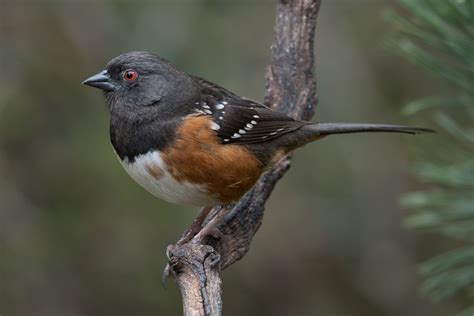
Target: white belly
{"points": [[149, 170]]}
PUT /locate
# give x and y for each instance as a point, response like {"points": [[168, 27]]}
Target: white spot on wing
{"points": [[215, 126], [236, 135], [253, 122], [219, 106]]}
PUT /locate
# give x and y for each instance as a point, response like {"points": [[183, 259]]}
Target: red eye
{"points": [[130, 75]]}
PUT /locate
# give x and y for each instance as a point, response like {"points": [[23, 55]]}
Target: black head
{"points": [[136, 81]]}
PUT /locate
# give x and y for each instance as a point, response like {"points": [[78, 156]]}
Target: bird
{"points": [[190, 141]]}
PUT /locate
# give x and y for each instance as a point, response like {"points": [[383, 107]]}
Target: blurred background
{"points": [[79, 237]]}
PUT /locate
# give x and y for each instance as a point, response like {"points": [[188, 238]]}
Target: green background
{"points": [[79, 237]]}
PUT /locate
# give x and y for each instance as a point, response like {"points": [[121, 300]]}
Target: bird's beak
{"points": [[101, 81]]}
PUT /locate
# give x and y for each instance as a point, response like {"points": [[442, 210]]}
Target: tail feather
{"points": [[321, 129], [314, 131]]}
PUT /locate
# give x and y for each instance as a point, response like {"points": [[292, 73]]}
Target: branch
{"points": [[226, 234]]}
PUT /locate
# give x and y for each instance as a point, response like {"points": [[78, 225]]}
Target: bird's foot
{"points": [[210, 230], [195, 227], [203, 229]]}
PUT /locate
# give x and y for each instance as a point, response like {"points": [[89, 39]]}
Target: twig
{"points": [[290, 88]]}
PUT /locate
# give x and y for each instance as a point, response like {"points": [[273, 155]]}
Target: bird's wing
{"points": [[240, 120]]}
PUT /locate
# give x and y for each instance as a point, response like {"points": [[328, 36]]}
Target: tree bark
{"points": [[226, 234]]}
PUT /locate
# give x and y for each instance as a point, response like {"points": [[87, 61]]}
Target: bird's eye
{"points": [[130, 75]]}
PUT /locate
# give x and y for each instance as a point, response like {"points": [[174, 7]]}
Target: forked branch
{"points": [[290, 88]]}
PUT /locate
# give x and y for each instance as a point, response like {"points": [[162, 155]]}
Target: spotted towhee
{"points": [[190, 141]]}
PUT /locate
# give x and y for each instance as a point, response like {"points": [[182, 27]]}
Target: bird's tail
{"points": [[345, 128], [314, 131]]}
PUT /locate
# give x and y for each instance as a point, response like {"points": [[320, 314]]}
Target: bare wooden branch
{"points": [[226, 234], [196, 271], [291, 85]]}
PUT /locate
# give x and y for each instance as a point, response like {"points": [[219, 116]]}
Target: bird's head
{"points": [[139, 80]]}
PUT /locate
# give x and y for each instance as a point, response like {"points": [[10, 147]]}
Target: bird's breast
{"points": [[153, 174], [196, 168]]}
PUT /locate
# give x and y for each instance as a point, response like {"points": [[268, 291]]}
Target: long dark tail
{"points": [[345, 128], [312, 132]]}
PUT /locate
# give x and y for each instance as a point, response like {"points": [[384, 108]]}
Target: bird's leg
{"points": [[192, 231], [195, 226], [211, 228]]}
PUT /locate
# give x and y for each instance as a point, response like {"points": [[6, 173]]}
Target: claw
{"points": [[209, 231], [195, 227], [165, 276]]}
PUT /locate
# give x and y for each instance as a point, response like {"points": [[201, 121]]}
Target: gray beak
{"points": [[101, 81]]}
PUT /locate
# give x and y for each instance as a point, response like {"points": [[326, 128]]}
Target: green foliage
{"points": [[438, 35]]}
